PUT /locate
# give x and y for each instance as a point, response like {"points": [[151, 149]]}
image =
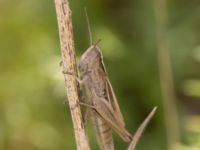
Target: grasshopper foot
{"points": [[68, 73]]}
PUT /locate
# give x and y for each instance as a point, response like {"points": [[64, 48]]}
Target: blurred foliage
{"points": [[32, 113]]}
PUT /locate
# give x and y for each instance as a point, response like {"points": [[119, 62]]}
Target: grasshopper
{"points": [[106, 115], [100, 94]]}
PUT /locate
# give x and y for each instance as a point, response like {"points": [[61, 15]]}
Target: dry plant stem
{"points": [[69, 65], [140, 130], [166, 78]]}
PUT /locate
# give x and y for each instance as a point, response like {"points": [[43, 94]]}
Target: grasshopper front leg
{"points": [[71, 74]]}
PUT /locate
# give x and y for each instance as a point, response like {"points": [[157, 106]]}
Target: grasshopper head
{"points": [[89, 58]]}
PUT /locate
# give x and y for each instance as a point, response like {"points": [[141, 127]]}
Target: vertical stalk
{"points": [[69, 65], [166, 78]]}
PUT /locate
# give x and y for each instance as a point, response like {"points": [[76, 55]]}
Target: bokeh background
{"points": [[33, 115]]}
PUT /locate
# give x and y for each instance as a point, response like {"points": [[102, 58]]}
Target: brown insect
{"points": [[106, 114]]}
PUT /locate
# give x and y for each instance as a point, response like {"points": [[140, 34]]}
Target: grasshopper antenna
{"points": [[88, 24]]}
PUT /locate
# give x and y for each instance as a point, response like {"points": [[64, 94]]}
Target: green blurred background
{"points": [[33, 115]]}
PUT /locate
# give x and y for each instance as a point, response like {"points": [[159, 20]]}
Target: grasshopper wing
{"points": [[113, 102], [110, 93]]}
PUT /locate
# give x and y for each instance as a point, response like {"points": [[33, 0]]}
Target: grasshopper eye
{"points": [[82, 68]]}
